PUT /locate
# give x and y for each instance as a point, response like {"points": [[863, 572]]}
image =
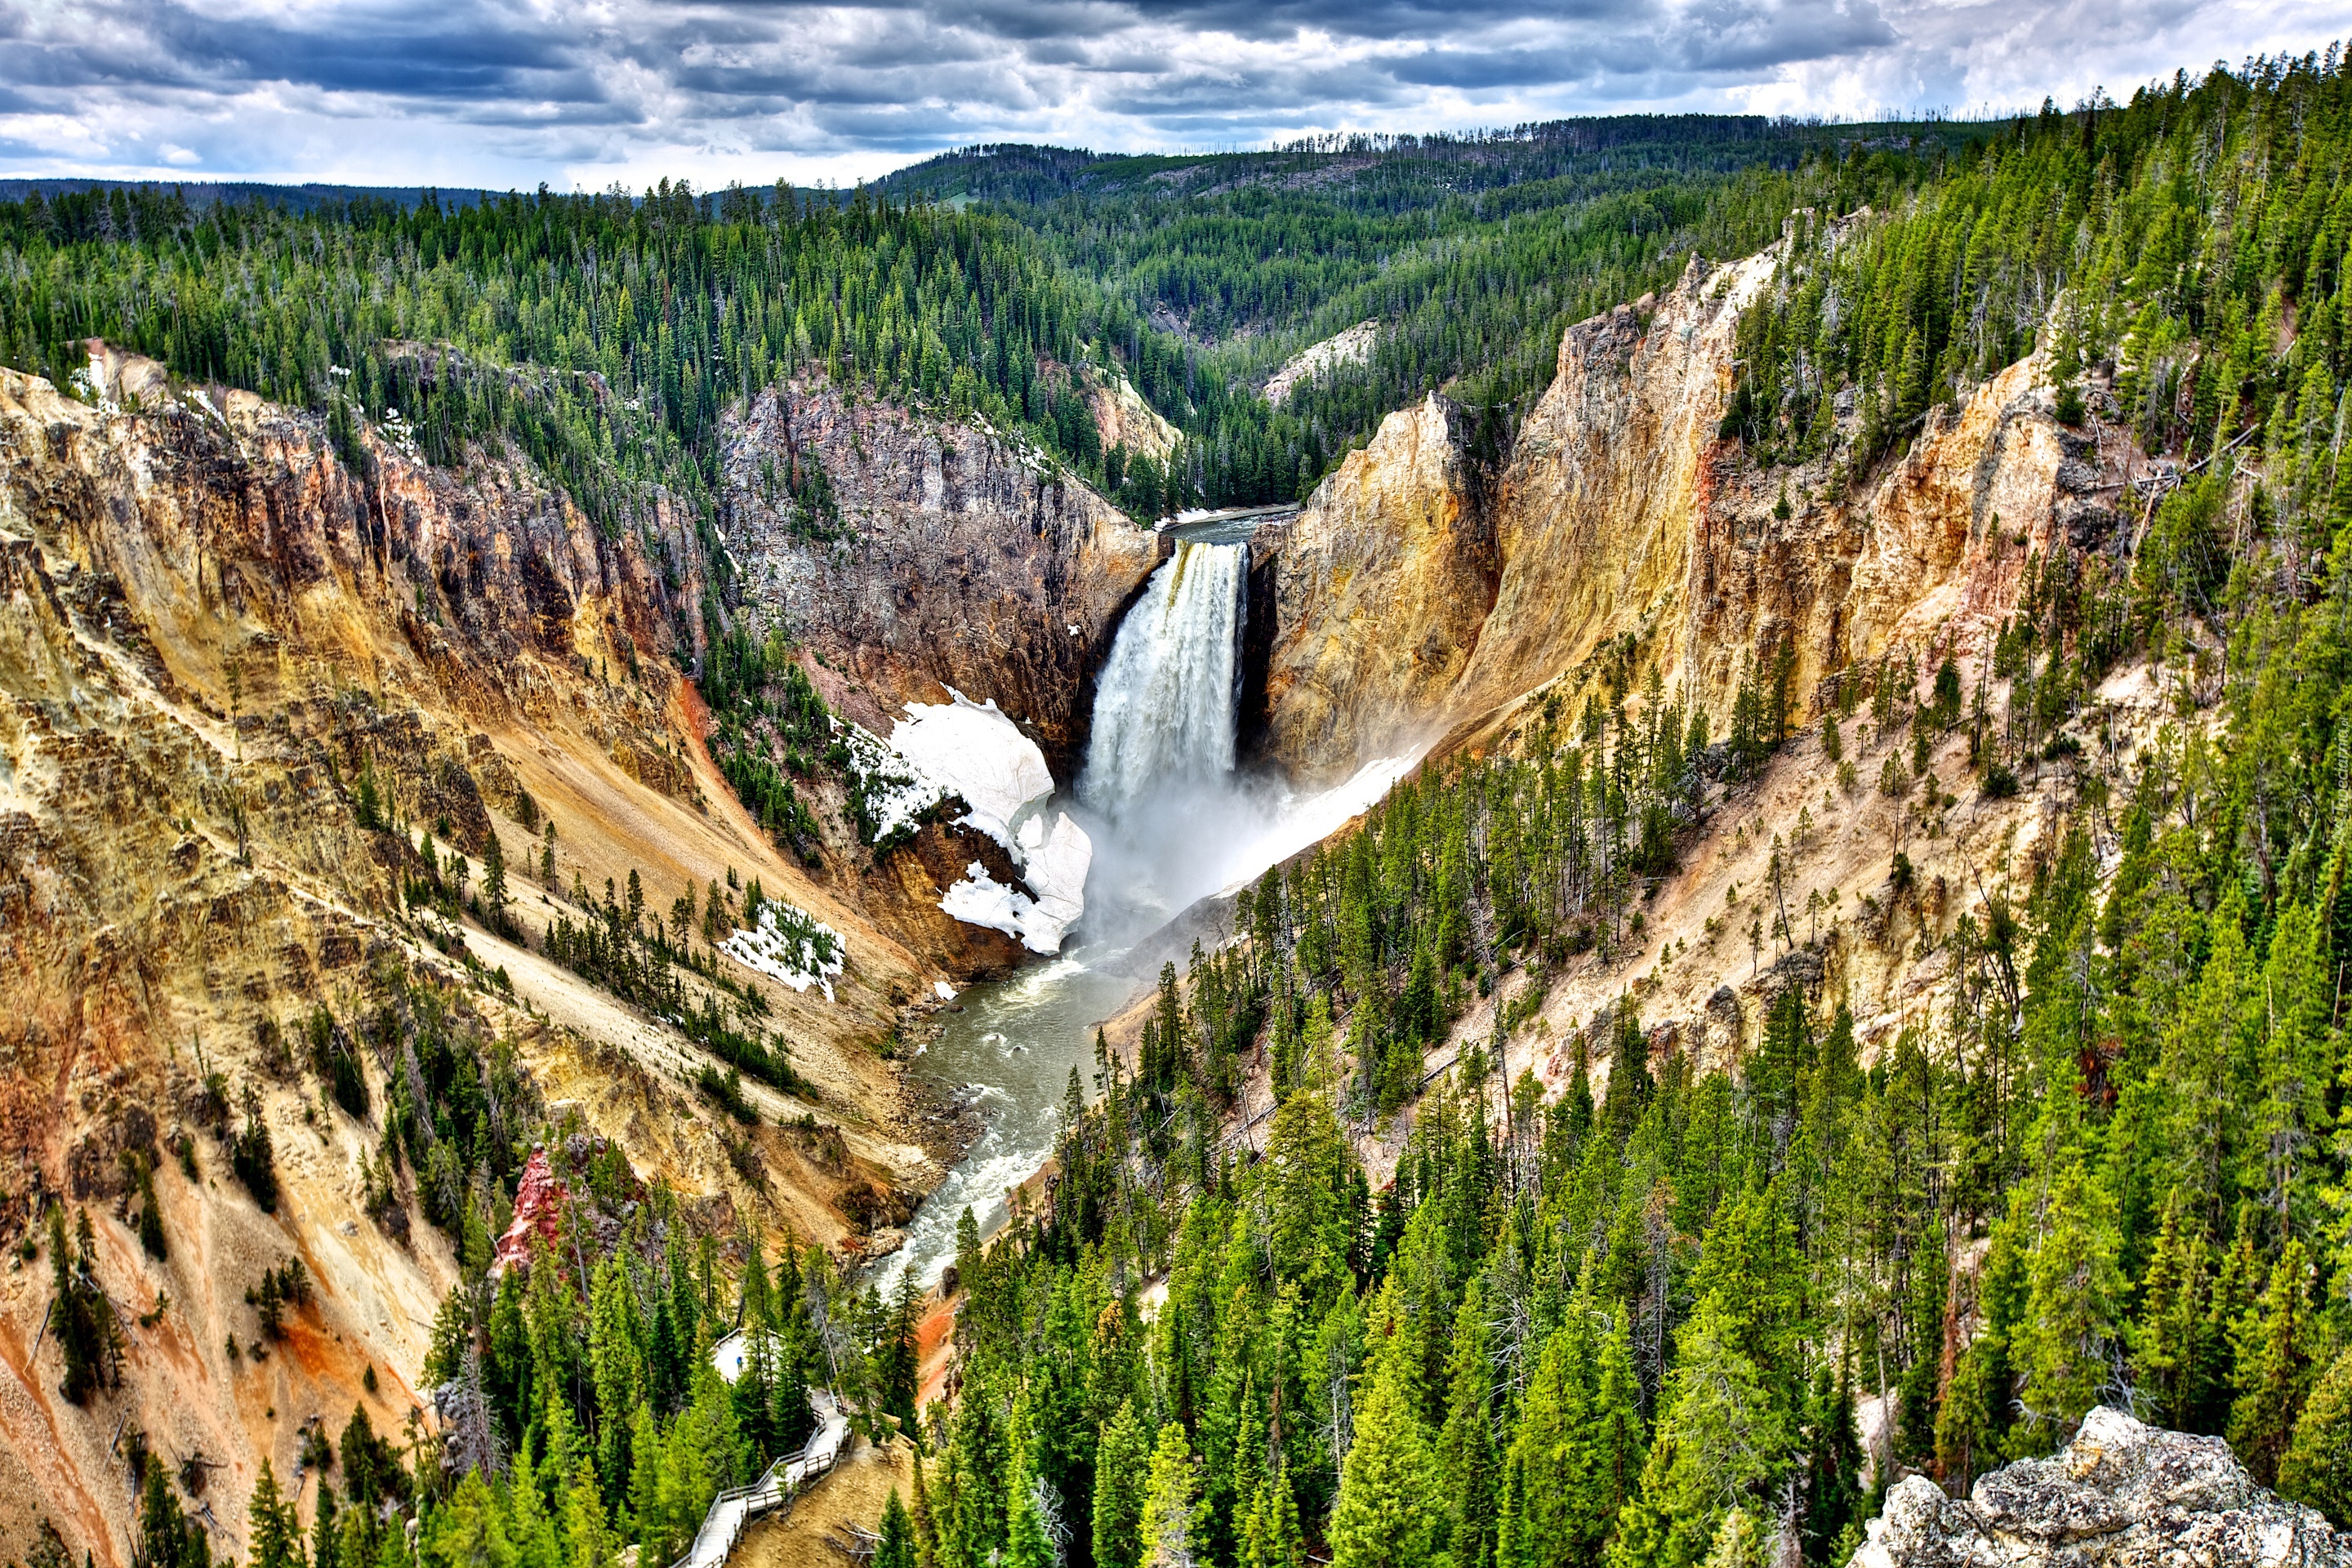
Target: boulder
{"points": [[2121, 1495]]}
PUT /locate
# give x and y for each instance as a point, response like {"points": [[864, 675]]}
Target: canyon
{"points": [[219, 627], [226, 646]]}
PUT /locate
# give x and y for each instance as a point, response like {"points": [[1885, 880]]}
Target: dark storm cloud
{"points": [[1724, 36], [1476, 69], [515, 90], [462, 53]]}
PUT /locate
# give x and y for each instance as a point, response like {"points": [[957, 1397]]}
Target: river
{"points": [[1010, 1045]]}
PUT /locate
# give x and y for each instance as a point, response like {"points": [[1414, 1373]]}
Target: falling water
{"points": [[1164, 704], [1172, 822]]}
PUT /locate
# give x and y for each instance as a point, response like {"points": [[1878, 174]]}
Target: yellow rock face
{"points": [[1415, 595], [210, 627], [1381, 587], [1420, 601]]}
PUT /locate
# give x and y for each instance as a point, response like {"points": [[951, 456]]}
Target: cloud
{"points": [[579, 92]]}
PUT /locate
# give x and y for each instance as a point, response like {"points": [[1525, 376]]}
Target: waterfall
{"points": [[1164, 704]]}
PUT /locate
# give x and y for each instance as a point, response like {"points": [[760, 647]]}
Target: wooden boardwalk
{"points": [[730, 1512]]}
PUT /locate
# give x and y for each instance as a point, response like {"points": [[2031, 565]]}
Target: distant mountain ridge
{"points": [[1024, 174], [299, 198]]}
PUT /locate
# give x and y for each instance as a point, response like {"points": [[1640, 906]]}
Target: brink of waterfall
{"points": [[1165, 702]]}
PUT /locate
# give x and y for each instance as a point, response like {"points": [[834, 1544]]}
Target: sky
{"points": [[513, 93]]}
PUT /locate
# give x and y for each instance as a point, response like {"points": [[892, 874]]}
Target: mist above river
{"points": [[1204, 837]]}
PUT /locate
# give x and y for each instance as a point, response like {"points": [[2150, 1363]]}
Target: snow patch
{"points": [[974, 749], [895, 795], [1057, 872], [794, 948], [1054, 863], [88, 385]]}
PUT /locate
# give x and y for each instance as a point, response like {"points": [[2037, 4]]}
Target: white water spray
{"points": [[1164, 704]]}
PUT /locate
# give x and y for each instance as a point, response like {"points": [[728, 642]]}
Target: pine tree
{"points": [[2237, 1283], [2069, 1321], [1025, 1544], [277, 1532], [1833, 1501], [1123, 1472], [645, 1484], [1388, 1513], [923, 1533], [2168, 1339], [2277, 1361], [1518, 1544], [470, 1527], [1270, 1533], [494, 879], [165, 1539], [587, 1538], [1722, 1435], [2294, 1064], [323, 1527], [1467, 1460], [530, 1523], [1575, 1456], [1170, 1517], [1618, 1441], [1738, 1543], [2317, 1466], [616, 1371], [897, 1547], [80, 1311], [1303, 1178], [151, 1239]]}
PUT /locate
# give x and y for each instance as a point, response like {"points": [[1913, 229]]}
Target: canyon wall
{"points": [[1411, 601], [220, 643], [951, 557], [1423, 601], [1380, 589]]}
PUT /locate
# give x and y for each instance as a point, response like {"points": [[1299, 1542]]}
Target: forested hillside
{"points": [[1472, 253], [603, 335]]}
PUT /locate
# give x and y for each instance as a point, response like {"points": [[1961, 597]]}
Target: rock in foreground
{"points": [[2121, 1495]]}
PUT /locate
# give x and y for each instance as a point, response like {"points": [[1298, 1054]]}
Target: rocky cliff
{"points": [[228, 660], [912, 553], [1422, 601], [1122, 418], [1380, 589], [1623, 528], [2121, 1494]]}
